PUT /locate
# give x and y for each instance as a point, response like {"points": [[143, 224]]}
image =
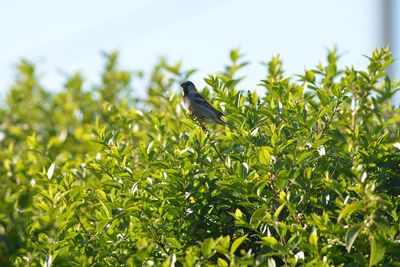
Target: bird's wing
{"points": [[199, 99]]}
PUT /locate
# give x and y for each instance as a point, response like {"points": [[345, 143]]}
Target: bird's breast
{"points": [[186, 100]]}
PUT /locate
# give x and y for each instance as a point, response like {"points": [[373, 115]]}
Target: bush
{"points": [[99, 177]]}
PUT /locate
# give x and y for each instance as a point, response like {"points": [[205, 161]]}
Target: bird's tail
{"points": [[227, 124]]}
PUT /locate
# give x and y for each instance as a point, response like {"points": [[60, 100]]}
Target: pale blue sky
{"points": [[66, 36]]}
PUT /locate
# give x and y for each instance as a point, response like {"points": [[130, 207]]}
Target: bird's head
{"points": [[188, 87]]}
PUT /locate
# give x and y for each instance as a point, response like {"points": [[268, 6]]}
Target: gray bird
{"points": [[199, 107]]}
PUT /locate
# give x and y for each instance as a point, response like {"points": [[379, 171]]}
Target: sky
{"points": [[67, 36]]}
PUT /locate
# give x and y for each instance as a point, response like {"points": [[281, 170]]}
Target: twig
{"points": [[99, 231], [215, 148], [331, 118], [207, 132], [213, 145], [81, 224], [104, 226]]}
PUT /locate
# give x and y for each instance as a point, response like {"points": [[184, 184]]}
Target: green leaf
{"points": [[323, 97], [393, 120], [351, 236], [238, 214], [237, 243], [259, 215], [278, 211], [207, 246], [238, 100], [173, 242], [303, 156], [32, 141], [222, 262], [309, 76], [224, 241], [101, 195], [349, 209], [269, 241], [377, 252], [234, 55], [282, 230], [313, 238], [283, 176], [264, 156]]}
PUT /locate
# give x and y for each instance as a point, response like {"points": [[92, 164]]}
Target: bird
{"points": [[199, 106]]}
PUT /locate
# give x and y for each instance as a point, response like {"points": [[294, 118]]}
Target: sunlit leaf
{"points": [[237, 243], [50, 170], [351, 236]]}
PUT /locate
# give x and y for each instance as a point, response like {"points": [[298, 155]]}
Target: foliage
{"points": [[98, 177]]}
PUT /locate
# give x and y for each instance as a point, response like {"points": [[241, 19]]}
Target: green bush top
{"points": [[98, 177]]}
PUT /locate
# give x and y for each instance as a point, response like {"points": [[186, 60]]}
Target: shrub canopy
{"points": [[96, 176]]}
